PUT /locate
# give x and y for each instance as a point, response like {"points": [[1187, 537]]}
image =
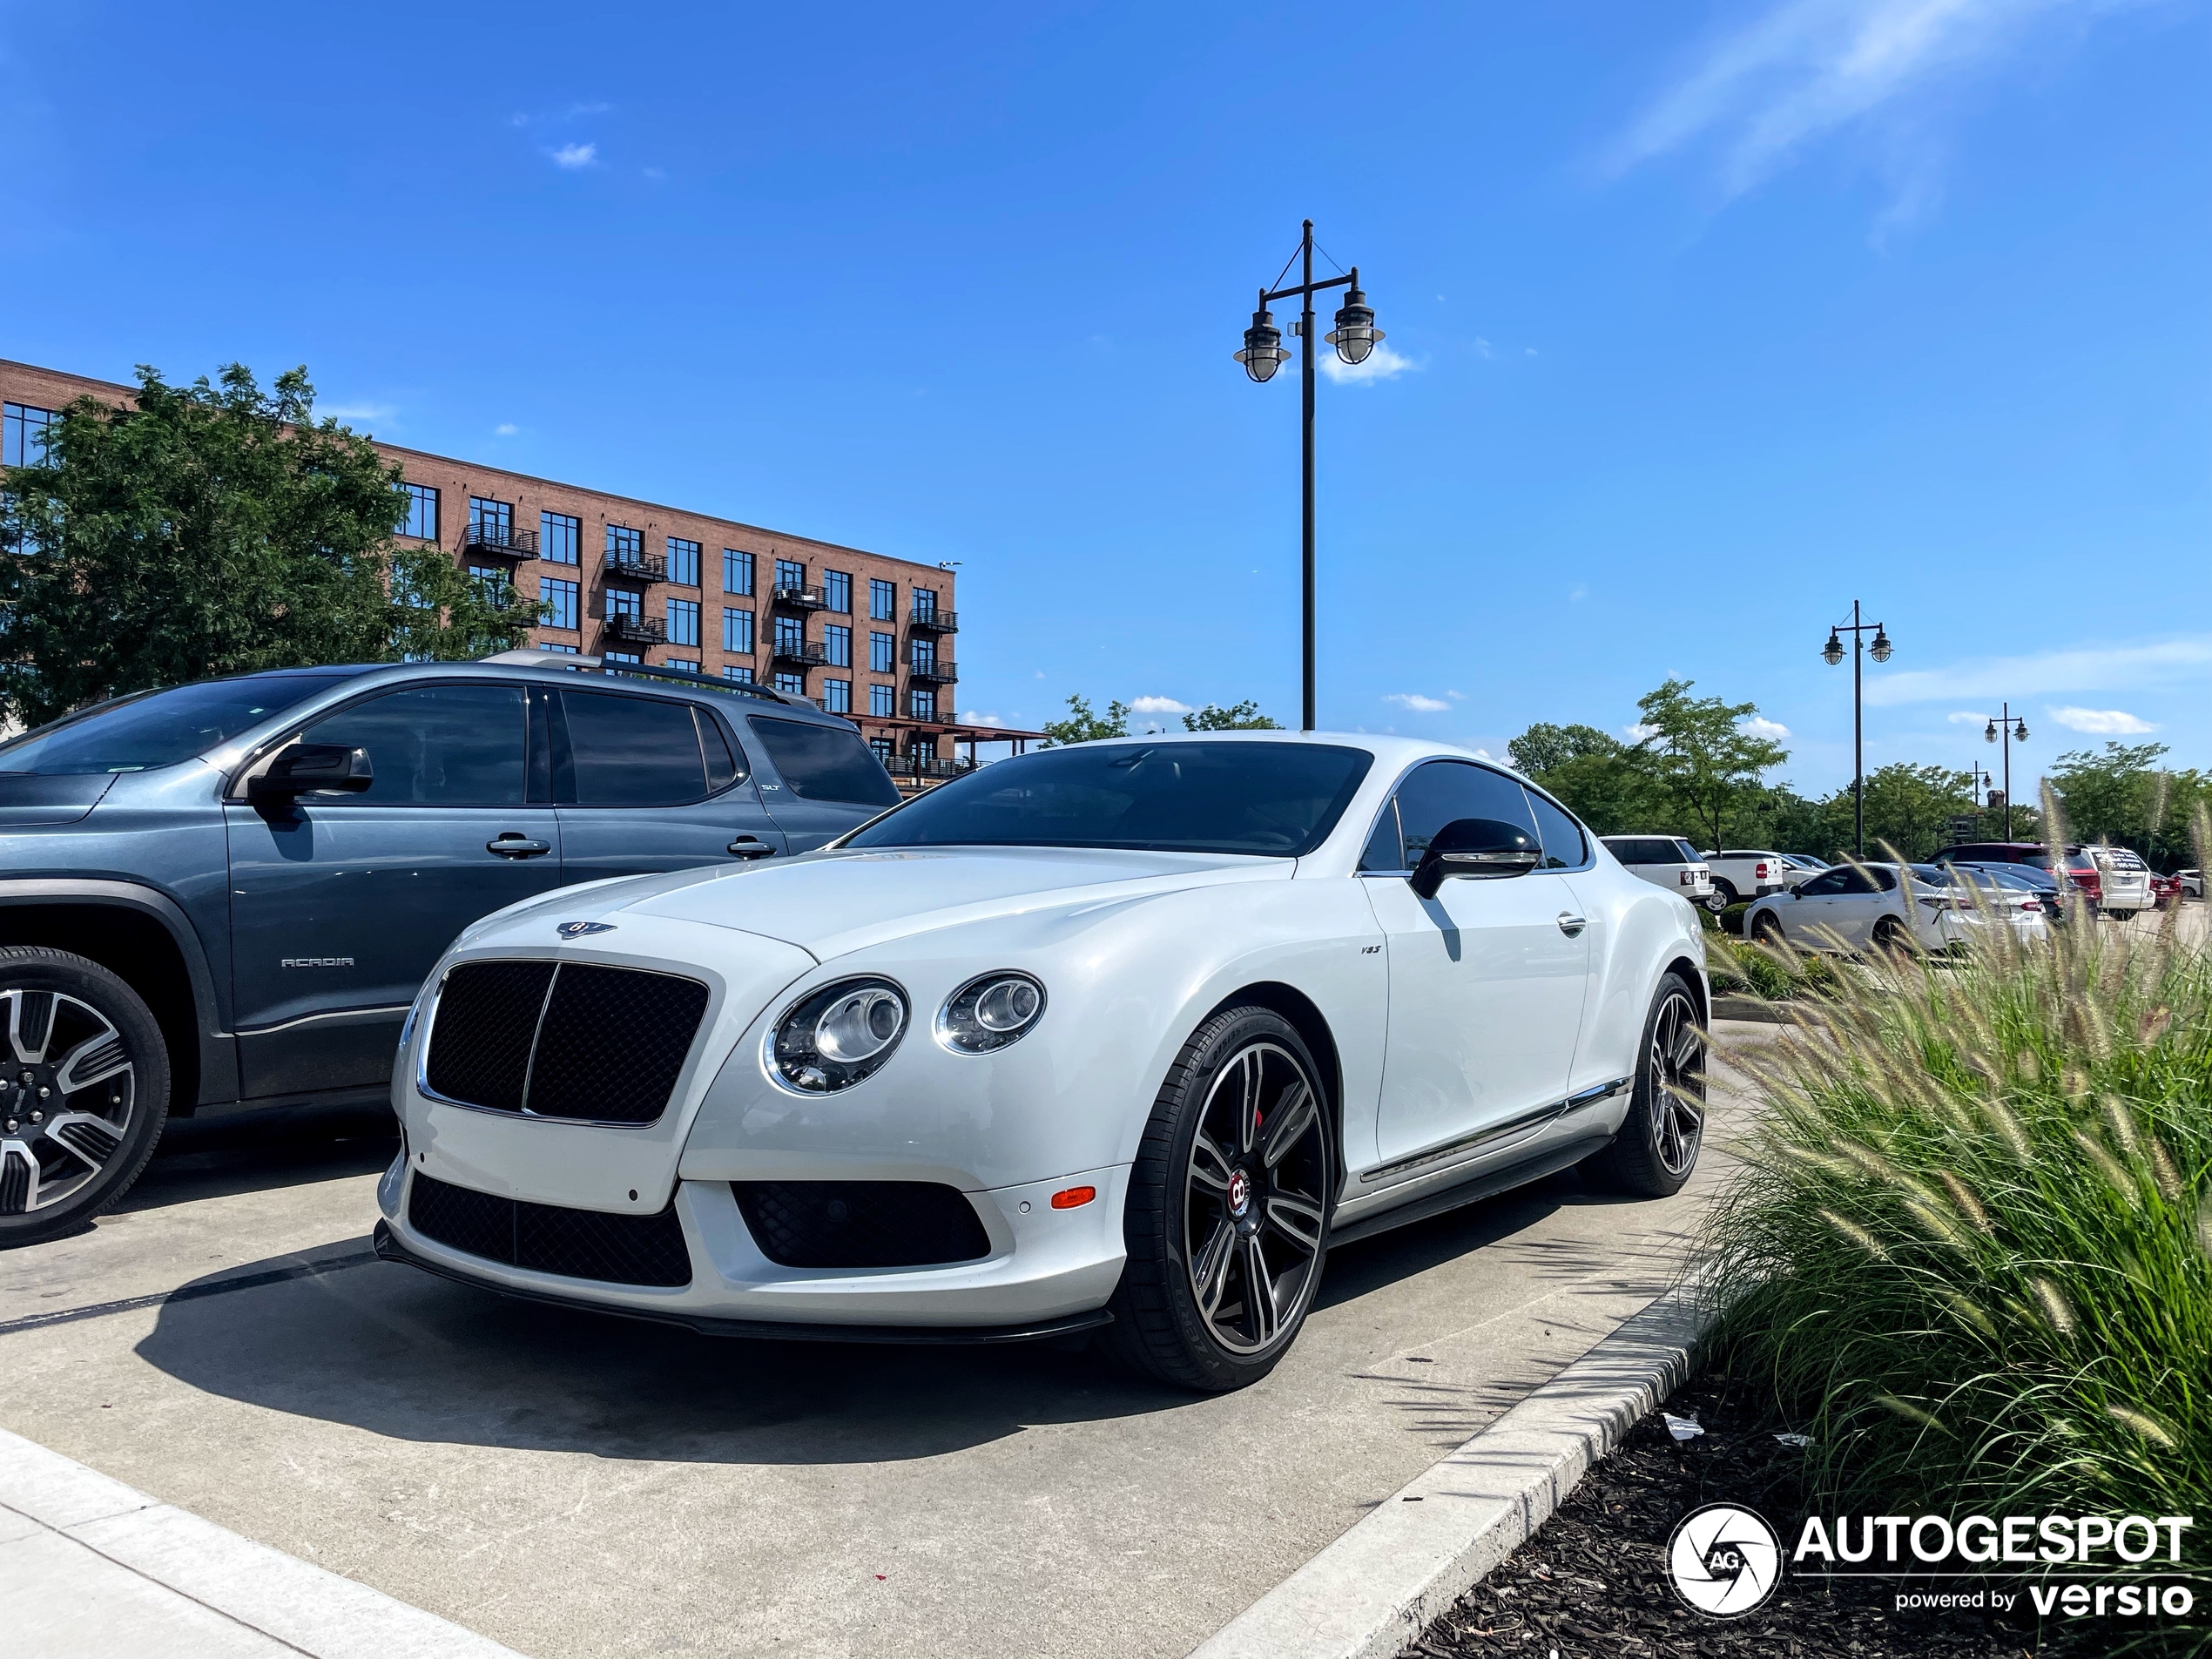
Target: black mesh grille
{"points": [[550, 1238], [613, 1041], [862, 1224], [479, 1044]]}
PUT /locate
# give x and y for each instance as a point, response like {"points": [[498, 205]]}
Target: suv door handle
{"points": [[751, 846], [1571, 925], [515, 844]]}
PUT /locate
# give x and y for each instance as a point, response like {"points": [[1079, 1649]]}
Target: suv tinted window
{"points": [[1641, 849], [152, 729], [1439, 792], [632, 750], [825, 762], [437, 745], [1565, 847], [1689, 855]]}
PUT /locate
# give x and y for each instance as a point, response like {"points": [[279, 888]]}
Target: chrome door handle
{"points": [[514, 844], [751, 846], [1572, 925]]}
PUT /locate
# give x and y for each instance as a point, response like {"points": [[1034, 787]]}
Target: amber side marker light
{"points": [[1074, 1197]]}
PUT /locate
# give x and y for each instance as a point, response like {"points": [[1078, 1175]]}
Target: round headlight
{"points": [[834, 1037], [991, 1011]]}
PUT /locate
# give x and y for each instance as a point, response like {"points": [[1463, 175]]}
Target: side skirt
{"points": [[1474, 1190]]}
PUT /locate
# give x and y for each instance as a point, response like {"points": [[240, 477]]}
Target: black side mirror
{"points": [[1484, 848], [307, 767]]}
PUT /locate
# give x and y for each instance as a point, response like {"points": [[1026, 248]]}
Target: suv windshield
{"points": [[1275, 800], [149, 729]]}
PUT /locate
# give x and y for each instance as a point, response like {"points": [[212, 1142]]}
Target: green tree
{"points": [[1083, 726], [1703, 761], [1237, 716], [213, 530], [1602, 780], [1908, 808], [2124, 797]]}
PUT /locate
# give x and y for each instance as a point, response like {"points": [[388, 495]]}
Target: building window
{"points": [[492, 583], [560, 537], [625, 545], [791, 634], [923, 654], [682, 665], [837, 591], [883, 600], [683, 622], [422, 520], [886, 751], [925, 602], [883, 653], [921, 703], [620, 657], [837, 696], [794, 684], [623, 602], [556, 601], [739, 672], [491, 523], [737, 631], [790, 573], [836, 642], [23, 434], [683, 562], [566, 650], [883, 701], [737, 573]]}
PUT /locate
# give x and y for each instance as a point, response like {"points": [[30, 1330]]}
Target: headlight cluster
{"points": [[844, 1033], [991, 1011]]}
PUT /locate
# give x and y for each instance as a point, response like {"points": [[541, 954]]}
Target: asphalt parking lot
{"points": [[570, 1484]]}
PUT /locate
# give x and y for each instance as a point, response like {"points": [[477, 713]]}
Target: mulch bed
{"points": [[1593, 1580]]}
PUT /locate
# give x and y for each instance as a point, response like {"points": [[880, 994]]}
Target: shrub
{"points": [[1773, 972], [1971, 1249]]}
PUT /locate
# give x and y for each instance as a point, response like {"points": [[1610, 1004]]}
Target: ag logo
{"points": [[1723, 1561], [583, 929]]}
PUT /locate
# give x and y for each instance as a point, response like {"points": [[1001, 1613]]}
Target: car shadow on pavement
{"points": [[256, 1152]]}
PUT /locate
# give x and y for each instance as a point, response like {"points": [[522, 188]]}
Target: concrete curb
{"points": [[1371, 1593], [118, 1572]]}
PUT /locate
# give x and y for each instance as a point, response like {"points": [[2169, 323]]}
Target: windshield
{"points": [[150, 729], [1275, 800], [2017, 876]]}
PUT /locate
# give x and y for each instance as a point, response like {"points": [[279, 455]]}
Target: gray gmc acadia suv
{"points": [[222, 896]]}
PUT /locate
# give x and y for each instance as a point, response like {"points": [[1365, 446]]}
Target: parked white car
{"points": [[2123, 882], [2192, 883], [1120, 1034], [1740, 877], [1888, 907], [1666, 862]]}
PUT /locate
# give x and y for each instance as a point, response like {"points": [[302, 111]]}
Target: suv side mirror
{"points": [[307, 767], [1484, 848]]}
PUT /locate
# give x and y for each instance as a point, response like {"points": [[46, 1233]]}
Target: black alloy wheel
{"points": [[1891, 937], [1229, 1210], [83, 1090], [1766, 929], [1659, 1140]]}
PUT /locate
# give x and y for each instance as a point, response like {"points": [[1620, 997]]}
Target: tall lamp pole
{"points": [[1354, 337], [2013, 730], [1832, 653]]}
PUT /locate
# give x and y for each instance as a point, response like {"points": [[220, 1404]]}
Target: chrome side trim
{"points": [[1528, 1119], [1603, 1091], [382, 1013]]}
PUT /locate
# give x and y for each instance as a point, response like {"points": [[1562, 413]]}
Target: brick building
{"points": [[863, 634]]}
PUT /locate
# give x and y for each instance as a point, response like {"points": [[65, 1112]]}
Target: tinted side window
{"points": [[825, 762], [1384, 851], [1439, 792], [1882, 882], [1825, 885], [1687, 854], [632, 750], [437, 745], [1565, 847], [723, 768], [1631, 849]]}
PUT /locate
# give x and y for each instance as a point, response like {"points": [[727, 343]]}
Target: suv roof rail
{"points": [[531, 658]]}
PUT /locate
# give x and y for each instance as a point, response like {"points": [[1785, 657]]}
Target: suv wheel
{"points": [[83, 1090], [1725, 891], [1227, 1218]]}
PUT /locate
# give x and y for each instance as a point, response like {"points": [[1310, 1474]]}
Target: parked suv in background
{"points": [[1665, 861], [2115, 881], [224, 896], [1740, 877]]}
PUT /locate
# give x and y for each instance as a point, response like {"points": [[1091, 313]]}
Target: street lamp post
{"points": [[1354, 337], [2014, 731], [1832, 653]]}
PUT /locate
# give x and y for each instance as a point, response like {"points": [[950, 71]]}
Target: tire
{"points": [[1725, 892], [2121, 916], [1891, 936], [1657, 1147], [1221, 1205], [1766, 929], [1716, 901], [83, 1090]]}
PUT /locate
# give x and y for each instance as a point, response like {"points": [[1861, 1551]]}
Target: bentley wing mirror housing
{"points": [[1484, 849]]}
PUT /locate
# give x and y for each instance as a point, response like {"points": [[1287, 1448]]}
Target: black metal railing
{"points": [[799, 598], [911, 765], [943, 622], [646, 631], [495, 537], [806, 651], [643, 567], [937, 671]]}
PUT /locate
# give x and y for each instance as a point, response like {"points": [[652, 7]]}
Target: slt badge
{"points": [[583, 929]]}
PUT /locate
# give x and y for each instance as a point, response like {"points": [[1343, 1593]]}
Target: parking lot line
{"points": [[188, 1292]]}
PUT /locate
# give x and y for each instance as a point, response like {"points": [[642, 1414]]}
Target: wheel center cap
{"points": [[1240, 1192]]}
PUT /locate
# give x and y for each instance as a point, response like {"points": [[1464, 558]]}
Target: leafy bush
{"points": [[1971, 1250], [1774, 972]]}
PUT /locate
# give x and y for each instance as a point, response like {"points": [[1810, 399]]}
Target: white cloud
{"points": [[1758, 726], [1382, 364], [1416, 702], [1158, 706], [972, 717], [1963, 718], [506, 430], [2103, 723], [380, 411], [573, 156], [1638, 732], [1482, 347], [1579, 591], [2085, 668]]}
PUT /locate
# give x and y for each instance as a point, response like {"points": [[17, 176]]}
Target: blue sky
{"points": [[1704, 321]]}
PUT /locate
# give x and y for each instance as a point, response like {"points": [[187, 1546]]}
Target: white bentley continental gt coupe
{"points": [[1121, 1035]]}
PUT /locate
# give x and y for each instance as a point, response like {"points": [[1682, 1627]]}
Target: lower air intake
{"points": [[551, 1238], [862, 1224]]}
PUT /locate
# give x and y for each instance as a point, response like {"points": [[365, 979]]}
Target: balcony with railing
{"points": [[938, 766], [807, 653], [935, 621], [490, 536], [931, 668], [641, 631], [800, 599]]}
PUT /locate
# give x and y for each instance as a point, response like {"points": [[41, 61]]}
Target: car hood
{"points": [[829, 904]]}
